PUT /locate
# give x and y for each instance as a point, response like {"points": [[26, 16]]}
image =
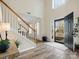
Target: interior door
{"points": [[68, 25]]}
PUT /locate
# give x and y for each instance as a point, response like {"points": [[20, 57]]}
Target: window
{"points": [[57, 3], [0, 14]]}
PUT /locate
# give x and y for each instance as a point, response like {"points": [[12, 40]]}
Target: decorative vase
{"points": [[3, 48]]}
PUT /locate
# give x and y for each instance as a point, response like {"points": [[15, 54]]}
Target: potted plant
{"points": [[44, 38], [76, 33]]}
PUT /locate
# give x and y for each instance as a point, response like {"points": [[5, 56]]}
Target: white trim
{"points": [[20, 51]]}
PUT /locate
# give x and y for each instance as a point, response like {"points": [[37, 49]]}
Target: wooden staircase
{"points": [[18, 25]]}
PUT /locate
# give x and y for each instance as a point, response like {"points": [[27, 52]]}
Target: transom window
{"points": [[57, 3]]}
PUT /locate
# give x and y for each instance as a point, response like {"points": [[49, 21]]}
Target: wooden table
{"points": [[11, 53]]}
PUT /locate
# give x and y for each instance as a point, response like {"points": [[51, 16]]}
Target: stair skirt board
{"points": [[25, 43], [20, 51]]}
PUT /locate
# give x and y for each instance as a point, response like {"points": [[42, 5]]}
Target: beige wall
{"points": [[35, 7], [51, 14]]}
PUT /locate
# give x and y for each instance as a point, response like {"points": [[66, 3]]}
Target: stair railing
{"points": [[18, 24]]}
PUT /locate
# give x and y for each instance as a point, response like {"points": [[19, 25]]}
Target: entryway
{"points": [[63, 31], [59, 30]]}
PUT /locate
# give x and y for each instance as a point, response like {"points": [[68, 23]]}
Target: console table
{"points": [[11, 53]]}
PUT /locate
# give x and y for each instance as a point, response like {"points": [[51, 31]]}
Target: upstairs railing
{"points": [[18, 24]]}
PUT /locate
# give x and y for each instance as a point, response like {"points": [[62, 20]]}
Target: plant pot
{"points": [[77, 46], [44, 38], [3, 48]]}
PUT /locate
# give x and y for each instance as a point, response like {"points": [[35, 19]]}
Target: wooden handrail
{"points": [[16, 14]]}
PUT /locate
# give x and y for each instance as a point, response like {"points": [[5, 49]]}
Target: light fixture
{"points": [[4, 27]]}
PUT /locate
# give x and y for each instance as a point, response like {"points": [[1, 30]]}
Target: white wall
{"points": [[51, 14]]}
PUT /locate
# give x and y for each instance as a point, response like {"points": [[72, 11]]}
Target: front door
{"points": [[68, 25]]}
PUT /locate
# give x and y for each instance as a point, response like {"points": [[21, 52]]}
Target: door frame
{"points": [[54, 29]]}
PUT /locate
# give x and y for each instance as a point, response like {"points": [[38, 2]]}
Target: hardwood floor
{"points": [[45, 51]]}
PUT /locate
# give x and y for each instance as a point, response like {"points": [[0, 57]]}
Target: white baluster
{"points": [[3, 13]]}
